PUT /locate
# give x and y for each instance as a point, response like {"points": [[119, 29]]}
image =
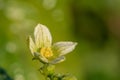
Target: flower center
{"points": [[46, 52]]}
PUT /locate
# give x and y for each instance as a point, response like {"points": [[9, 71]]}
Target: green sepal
{"points": [[48, 69]]}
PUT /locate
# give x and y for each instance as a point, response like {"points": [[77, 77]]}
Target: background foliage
{"points": [[94, 24]]}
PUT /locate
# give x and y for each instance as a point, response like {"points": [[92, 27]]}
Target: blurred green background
{"points": [[94, 24]]}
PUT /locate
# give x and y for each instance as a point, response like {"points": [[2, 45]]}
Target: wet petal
{"points": [[42, 36], [58, 60], [31, 45], [63, 47]]}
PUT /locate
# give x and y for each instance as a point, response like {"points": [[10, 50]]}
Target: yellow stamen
{"points": [[46, 52]]}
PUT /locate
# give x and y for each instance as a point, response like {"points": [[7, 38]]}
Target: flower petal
{"points": [[42, 36], [63, 47], [41, 58], [31, 45], [58, 60]]}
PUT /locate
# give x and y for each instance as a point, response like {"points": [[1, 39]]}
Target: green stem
{"points": [[48, 71]]}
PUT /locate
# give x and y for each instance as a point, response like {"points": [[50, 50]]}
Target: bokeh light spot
{"points": [[49, 4], [11, 47], [58, 15]]}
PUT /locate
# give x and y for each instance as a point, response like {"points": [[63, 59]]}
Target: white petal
{"points": [[58, 60], [42, 36], [41, 58], [64, 47], [32, 45]]}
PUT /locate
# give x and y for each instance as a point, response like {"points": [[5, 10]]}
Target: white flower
{"points": [[42, 45]]}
